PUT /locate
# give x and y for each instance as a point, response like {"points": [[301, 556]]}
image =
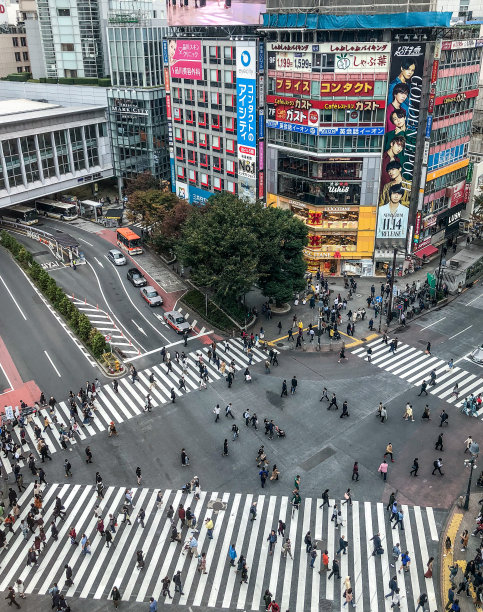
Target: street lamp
{"points": [[474, 450]]}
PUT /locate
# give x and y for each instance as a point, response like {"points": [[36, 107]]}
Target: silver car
{"points": [[116, 257], [477, 354], [176, 320], [151, 296]]}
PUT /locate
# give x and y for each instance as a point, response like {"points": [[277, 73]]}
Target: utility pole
{"points": [[389, 304], [471, 464]]}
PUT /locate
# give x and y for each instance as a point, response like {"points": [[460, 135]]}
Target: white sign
{"points": [[107, 338], [338, 188], [9, 413], [182, 190], [299, 62], [3, 12]]}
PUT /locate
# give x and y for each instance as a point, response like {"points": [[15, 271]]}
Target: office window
{"points": [[202, 119], [230, 124], [216, 122], [216, 143], [204, 160], [192, 176], [25, 56], [178, 114], [192, 158], [189, 97], [230, 145], [178, 134], [12, 161], [214, 98], [46, 155], [60, 138], [231, 186], [180, 172], [63, 12], [190, 137], [202, 98], [67, 46], [92, 148], [217, 183], [214, 75], [229, 76], [230, 101], [27, 68], [180, 153], [229, 54], [190, 116], [230, 167], [214, 53], [217, 164], [15, 41], [17, 56], [77, 148], [72, 74], [19, 69], [204, 140], [205, 180]]}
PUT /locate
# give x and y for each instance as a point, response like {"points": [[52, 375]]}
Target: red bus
{"points": [[129, 241]]}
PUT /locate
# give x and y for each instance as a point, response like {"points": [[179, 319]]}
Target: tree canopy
{"points": [[231, 245]]}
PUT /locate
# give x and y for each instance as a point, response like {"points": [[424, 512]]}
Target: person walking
{"points": [[424, 386], [415, 468], [165, 589], [335, 570], [67, 468], [389, 452], [216, 412], [399, 519], [11, 597], [464, 540], [422, 599], [293, 386], [468, 443], [343, 544], [232, 554], [392, 587], [88, 454], [313, 557], [228, 410], [355, 471], [439, 442], [284, 389], [138, 475], [405, 562], [116, 596], [287, 548], [325, 498], [272, 540], [333, 402], [383, 469], [178, 587], [443, 418], [347, 498], [438, 464], [267, 598], [429, 565], [325, 562]]}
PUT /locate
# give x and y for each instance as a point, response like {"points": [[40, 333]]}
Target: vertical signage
{"points": [[402, 119], [246, 86], [169, 116]]}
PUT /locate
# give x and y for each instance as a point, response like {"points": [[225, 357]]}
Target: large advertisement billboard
{"points": [[246, 72], [185, 61], [214, 12], [401, 128]]}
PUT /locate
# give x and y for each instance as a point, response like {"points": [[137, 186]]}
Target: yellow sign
{"points": [[447, 169]]}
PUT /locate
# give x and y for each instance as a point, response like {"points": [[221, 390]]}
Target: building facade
{"points": [[46, 148], [215, 101], [14, 51]]}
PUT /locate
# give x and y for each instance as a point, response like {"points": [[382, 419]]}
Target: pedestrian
{"points": [[228, 410], [347, 498], [376, 538], [308, 542], [225, 448], [281, 528], [396, 553], [383, 469], [345, 411], [253, 511], [335, 515], [429, 565], [428, 349], [140, 559], [202, 564], [153, 605], [284, 389], [405, 562], [325, 498], [422, 599], [293, 386], [450, 598], [439, 442], [389, 452], [115, 596], [464, 540], [313, 557], [437, 465], [325, 562], [287, 548], [408, 414], [216, 412], [349, 597], [333, 402], [11, 597], [399, 521], [178, 587], [355, 471], [443, 418], [267, 598], [20, 588], [232, 554], [324, 395], [88, 454], [342, 354], [165, 589], [272, 540], [343, 544], [67, 468], [138, 475], [424, 386], [415, 468], [468, 443], [209, 526], [335, 569]]}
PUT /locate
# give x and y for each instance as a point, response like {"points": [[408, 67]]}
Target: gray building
{"points": [[46, 148]]}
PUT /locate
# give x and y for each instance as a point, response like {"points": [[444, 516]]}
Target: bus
{"points": [[20, 214], [57, 210], [129, 241]]}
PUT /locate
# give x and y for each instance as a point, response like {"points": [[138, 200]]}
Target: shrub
{"points": [[84, 327], [98, 344]]}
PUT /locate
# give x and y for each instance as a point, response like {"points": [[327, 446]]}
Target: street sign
{"points": [[400, 306], [107, 338], [379, 298]]}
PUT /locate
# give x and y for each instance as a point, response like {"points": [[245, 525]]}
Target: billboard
{"points": [[185, 60], [197, 196], [447, 156], [214, 12], [325, 131], [246, 109], [169, 115], [328, 89], [402, 118]]}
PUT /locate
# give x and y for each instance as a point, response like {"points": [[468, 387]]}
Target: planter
{"points": [[280, 310]]}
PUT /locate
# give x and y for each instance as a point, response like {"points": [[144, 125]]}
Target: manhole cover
{"points": [[216, 505], [280, 344], [422, 341], [363, 339]]}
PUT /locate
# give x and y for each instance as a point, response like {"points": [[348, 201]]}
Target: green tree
{"points": [[97, 344], [84, 327], [167, 233], [220, 246], [150, 206], [281, 266], [142, 182]]}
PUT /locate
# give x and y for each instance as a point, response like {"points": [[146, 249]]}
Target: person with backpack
{"points": [[272, 540], [308, 542], [267, 598], [274, 607], [405, 562], [422, 599]]}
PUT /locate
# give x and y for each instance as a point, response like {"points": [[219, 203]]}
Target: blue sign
{"points": [[446, 157], [261, 56], [379, 298], [246, 97], [165, 53], [261, 125], [198, 197], [429, 125], [173, 174], [341, 131]]}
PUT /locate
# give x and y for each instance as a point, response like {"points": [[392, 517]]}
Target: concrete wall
{"points": [[37, 60], [66, 95], [8, 63]]}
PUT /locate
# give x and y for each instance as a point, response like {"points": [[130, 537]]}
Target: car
{"points": [[116, 257], [477, 354], [151, 296], [176, 320], [136, 278]]}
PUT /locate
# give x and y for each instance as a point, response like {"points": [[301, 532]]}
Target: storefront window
{"points": [[332, 243], [333, 170], [319, 193], [334, 220]]}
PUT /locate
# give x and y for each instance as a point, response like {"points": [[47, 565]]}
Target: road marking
{"points": [[102, 265], [434, 323], [52, 363], [478, 297], [156, 350], [8, 379], [463, 330], [139, 328], [85, 241], [14, 300]]}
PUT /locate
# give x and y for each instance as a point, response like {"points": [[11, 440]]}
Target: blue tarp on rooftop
{"points": [[312, 21]]}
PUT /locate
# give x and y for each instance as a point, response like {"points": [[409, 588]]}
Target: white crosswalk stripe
{"points": [[414, 366], [129, 401], [292, 581]]}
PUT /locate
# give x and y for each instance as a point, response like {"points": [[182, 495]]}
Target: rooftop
{"points": [[21, 109]]}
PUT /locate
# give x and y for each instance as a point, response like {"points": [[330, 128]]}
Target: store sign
{"points": [[448, 156], [458, 44], [355, 47], [417, 227], [185, 59], [454, 218], [338, 188], [361, 62], [429, 124], [246, 86], [456, 193], [299, 62], [261, 155], [296, 86], [198, 197], [261, 56], [403, 94], [429, 221], [358, 105], [457, 97], [344, 62], [128, 107], [181, 190], [434, 72], [321, 131], [261, 186]]}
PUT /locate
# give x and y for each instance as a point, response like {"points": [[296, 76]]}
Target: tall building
{"points": [[14, 52], [358, 142], [215, 82]]}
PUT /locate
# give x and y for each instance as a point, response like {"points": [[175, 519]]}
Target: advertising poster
{"points": [[402, 118], [214, 12], [246, 110], [185, 59], [168, 111]]}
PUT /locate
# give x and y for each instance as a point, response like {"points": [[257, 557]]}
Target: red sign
{"points": [[467, 192], [358, 105], [456, 193], [457, 97], [434, 72], [431, 103], [168, 107], [417, 227], [295, 86]]}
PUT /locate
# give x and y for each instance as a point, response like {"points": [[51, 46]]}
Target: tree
{"points": [[151, 205], [281, 264], [142, 182], [220, 246], [166, 234]]}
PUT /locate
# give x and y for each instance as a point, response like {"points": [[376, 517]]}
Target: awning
{"points": [[427, 251]]}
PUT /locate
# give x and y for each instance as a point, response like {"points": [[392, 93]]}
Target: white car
{"points": [[151, 296], [116, 257], [477, 354]]}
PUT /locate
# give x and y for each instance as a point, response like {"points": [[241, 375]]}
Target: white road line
{"points": [[52, 363], [432, 524], [82, 239], [13, 299], [478, 297], [463, 330], [166, 346], [8, 380], [101, 264], [431, 324]]}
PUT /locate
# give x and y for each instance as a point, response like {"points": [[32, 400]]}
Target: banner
{"points": [[169, 115], [246, 110], [185, 59], [402, 119], [322, 131], [456, 97], [335, 47]]}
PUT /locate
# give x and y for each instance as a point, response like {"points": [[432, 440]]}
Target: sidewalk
{"points": [[459, 520]]}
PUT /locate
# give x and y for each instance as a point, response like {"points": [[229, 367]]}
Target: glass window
{"points": [[12, 161], [46, 155], [15, 41], [17, 56], [29, 152], [67, 46], [217, 183], [77, 145], [60, 139], [63, 12]]}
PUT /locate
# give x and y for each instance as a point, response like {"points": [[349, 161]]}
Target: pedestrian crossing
{"points": [[129, 401], [293, 583], [102, 321], [414, 366]]}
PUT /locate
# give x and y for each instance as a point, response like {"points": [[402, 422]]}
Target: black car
{"points": [[136, 278]]}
